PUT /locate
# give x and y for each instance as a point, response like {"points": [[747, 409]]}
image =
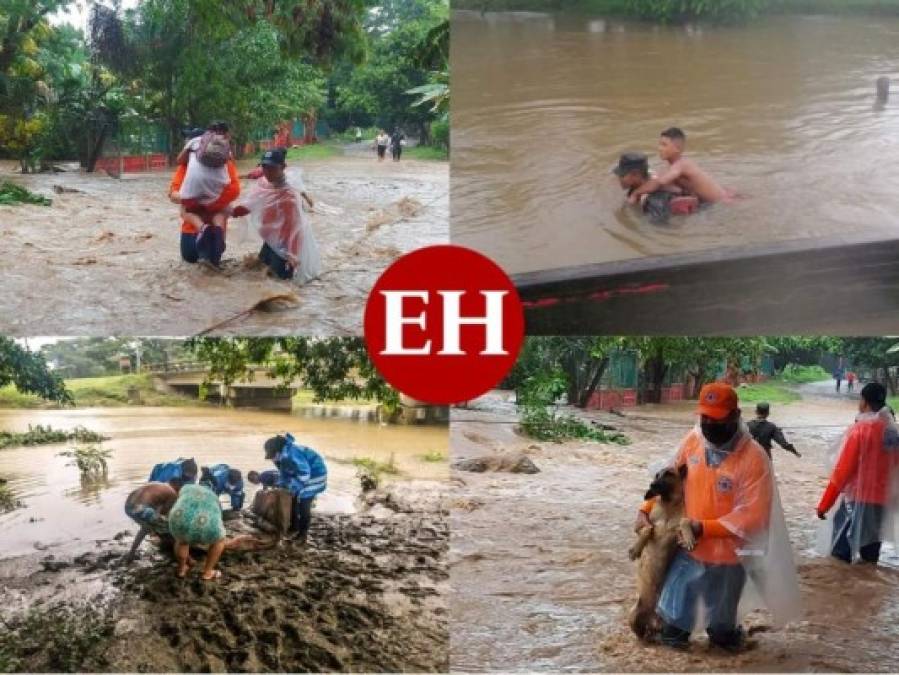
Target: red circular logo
{"points": [[443, 324]]}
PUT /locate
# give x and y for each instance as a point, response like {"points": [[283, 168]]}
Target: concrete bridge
{"points": [[259, 391], [269, 393]]}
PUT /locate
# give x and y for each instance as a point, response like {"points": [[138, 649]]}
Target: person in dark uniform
{"points": [[764, 431]]}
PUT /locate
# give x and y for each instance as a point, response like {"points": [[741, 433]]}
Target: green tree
{"points": [[29, 373], [401, 58], [333, 368], [874, 354]]}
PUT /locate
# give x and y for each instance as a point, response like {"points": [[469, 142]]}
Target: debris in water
{"points": [[105, 235], [62, 189], [277, 302]]}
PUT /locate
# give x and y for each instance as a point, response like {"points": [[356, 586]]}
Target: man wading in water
{"points": [[683, 172], [866, 474], [209, 248], [289, 247], [731, 500], [633, 172]]}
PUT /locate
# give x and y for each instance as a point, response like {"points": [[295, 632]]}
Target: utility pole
{"points": [[137, 356]]}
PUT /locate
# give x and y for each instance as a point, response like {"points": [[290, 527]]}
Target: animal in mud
{"points": [[273, 508], [656, 545]]}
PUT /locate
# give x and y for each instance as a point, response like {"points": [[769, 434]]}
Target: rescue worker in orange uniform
{"points": [[728, 492], [866, 473], [211, 246]]}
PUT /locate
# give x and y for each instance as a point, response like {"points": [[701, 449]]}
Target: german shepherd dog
{"points": [[656, 545], [273, 509]]}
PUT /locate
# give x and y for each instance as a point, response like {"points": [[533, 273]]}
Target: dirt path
{"points": [[105, 259], [541, 579], [367, 594]]}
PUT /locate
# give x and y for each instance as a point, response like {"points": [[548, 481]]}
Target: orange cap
{"points": [[717, 400]]}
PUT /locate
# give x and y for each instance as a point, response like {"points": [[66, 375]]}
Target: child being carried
{"points": [[206, 157]]}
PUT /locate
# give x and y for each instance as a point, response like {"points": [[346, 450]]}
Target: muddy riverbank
{"points": [[106, 253], [367, 593], [539, 562]]}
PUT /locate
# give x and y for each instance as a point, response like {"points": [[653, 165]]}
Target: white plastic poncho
{"points": [[864, 486], [743, 560], [202, 183], [276, 213]]}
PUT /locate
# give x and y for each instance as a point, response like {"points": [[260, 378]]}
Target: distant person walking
{"points": [[358, 135], [382, 140], [397, 141], [850, 381], [838, 376]]}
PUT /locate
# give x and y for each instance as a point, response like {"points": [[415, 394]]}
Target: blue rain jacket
{"points": [[218, 483], [301, 470]]}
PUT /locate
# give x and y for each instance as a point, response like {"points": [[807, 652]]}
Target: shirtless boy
{"points": [[683, 172]]}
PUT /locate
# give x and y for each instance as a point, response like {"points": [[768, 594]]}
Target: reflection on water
{"points": [[780, 110], [61, 508]]}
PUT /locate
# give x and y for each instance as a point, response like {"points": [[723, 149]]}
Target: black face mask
{"points": [[718, 433]]}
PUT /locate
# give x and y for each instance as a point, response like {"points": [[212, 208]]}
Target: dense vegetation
{"points": [[141, 75]]}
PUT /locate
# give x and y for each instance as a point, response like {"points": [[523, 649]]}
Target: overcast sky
{"points": [[77, 13]]}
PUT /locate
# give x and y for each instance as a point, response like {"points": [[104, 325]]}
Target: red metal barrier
{"points": [[134, 163], [606, 399]]}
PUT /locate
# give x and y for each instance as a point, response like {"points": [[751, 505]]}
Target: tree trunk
{"points": [[309, 121], [698, 381], [96, 149], [656, 370], [587, 393]]}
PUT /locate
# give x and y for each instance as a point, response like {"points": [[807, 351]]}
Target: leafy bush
{"points": [[8, 502], [41, 435], [539, 415], [10, 193], [803, 374], [684, 10], [90, 460], [434, 456], [370, 471], [440, 133]]}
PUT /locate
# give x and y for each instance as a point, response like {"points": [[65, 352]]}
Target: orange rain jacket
{"points": [[863, 469], [228, 195], [731, 500]]}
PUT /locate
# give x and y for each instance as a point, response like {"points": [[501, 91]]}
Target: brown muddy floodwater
{"points": [[539, 568], [61, 514], [780, 110], [107, 256]]}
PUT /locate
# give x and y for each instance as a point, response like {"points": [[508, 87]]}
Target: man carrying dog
{"points": [[730, 500]]}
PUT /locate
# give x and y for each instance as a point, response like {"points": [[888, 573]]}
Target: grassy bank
{"points": [[114, 390], [314, 151], [427, 153], [772, 392]]}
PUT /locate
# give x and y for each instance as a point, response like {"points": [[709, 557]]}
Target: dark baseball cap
{"points": [[631, 161], [276, 157]]}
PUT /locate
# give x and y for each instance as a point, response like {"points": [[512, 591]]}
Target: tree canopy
{"points": [[29, 373]]}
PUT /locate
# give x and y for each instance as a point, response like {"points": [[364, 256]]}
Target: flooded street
{"points": [[107, 256], [61, 514], [780, 110], [539, 563]]}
